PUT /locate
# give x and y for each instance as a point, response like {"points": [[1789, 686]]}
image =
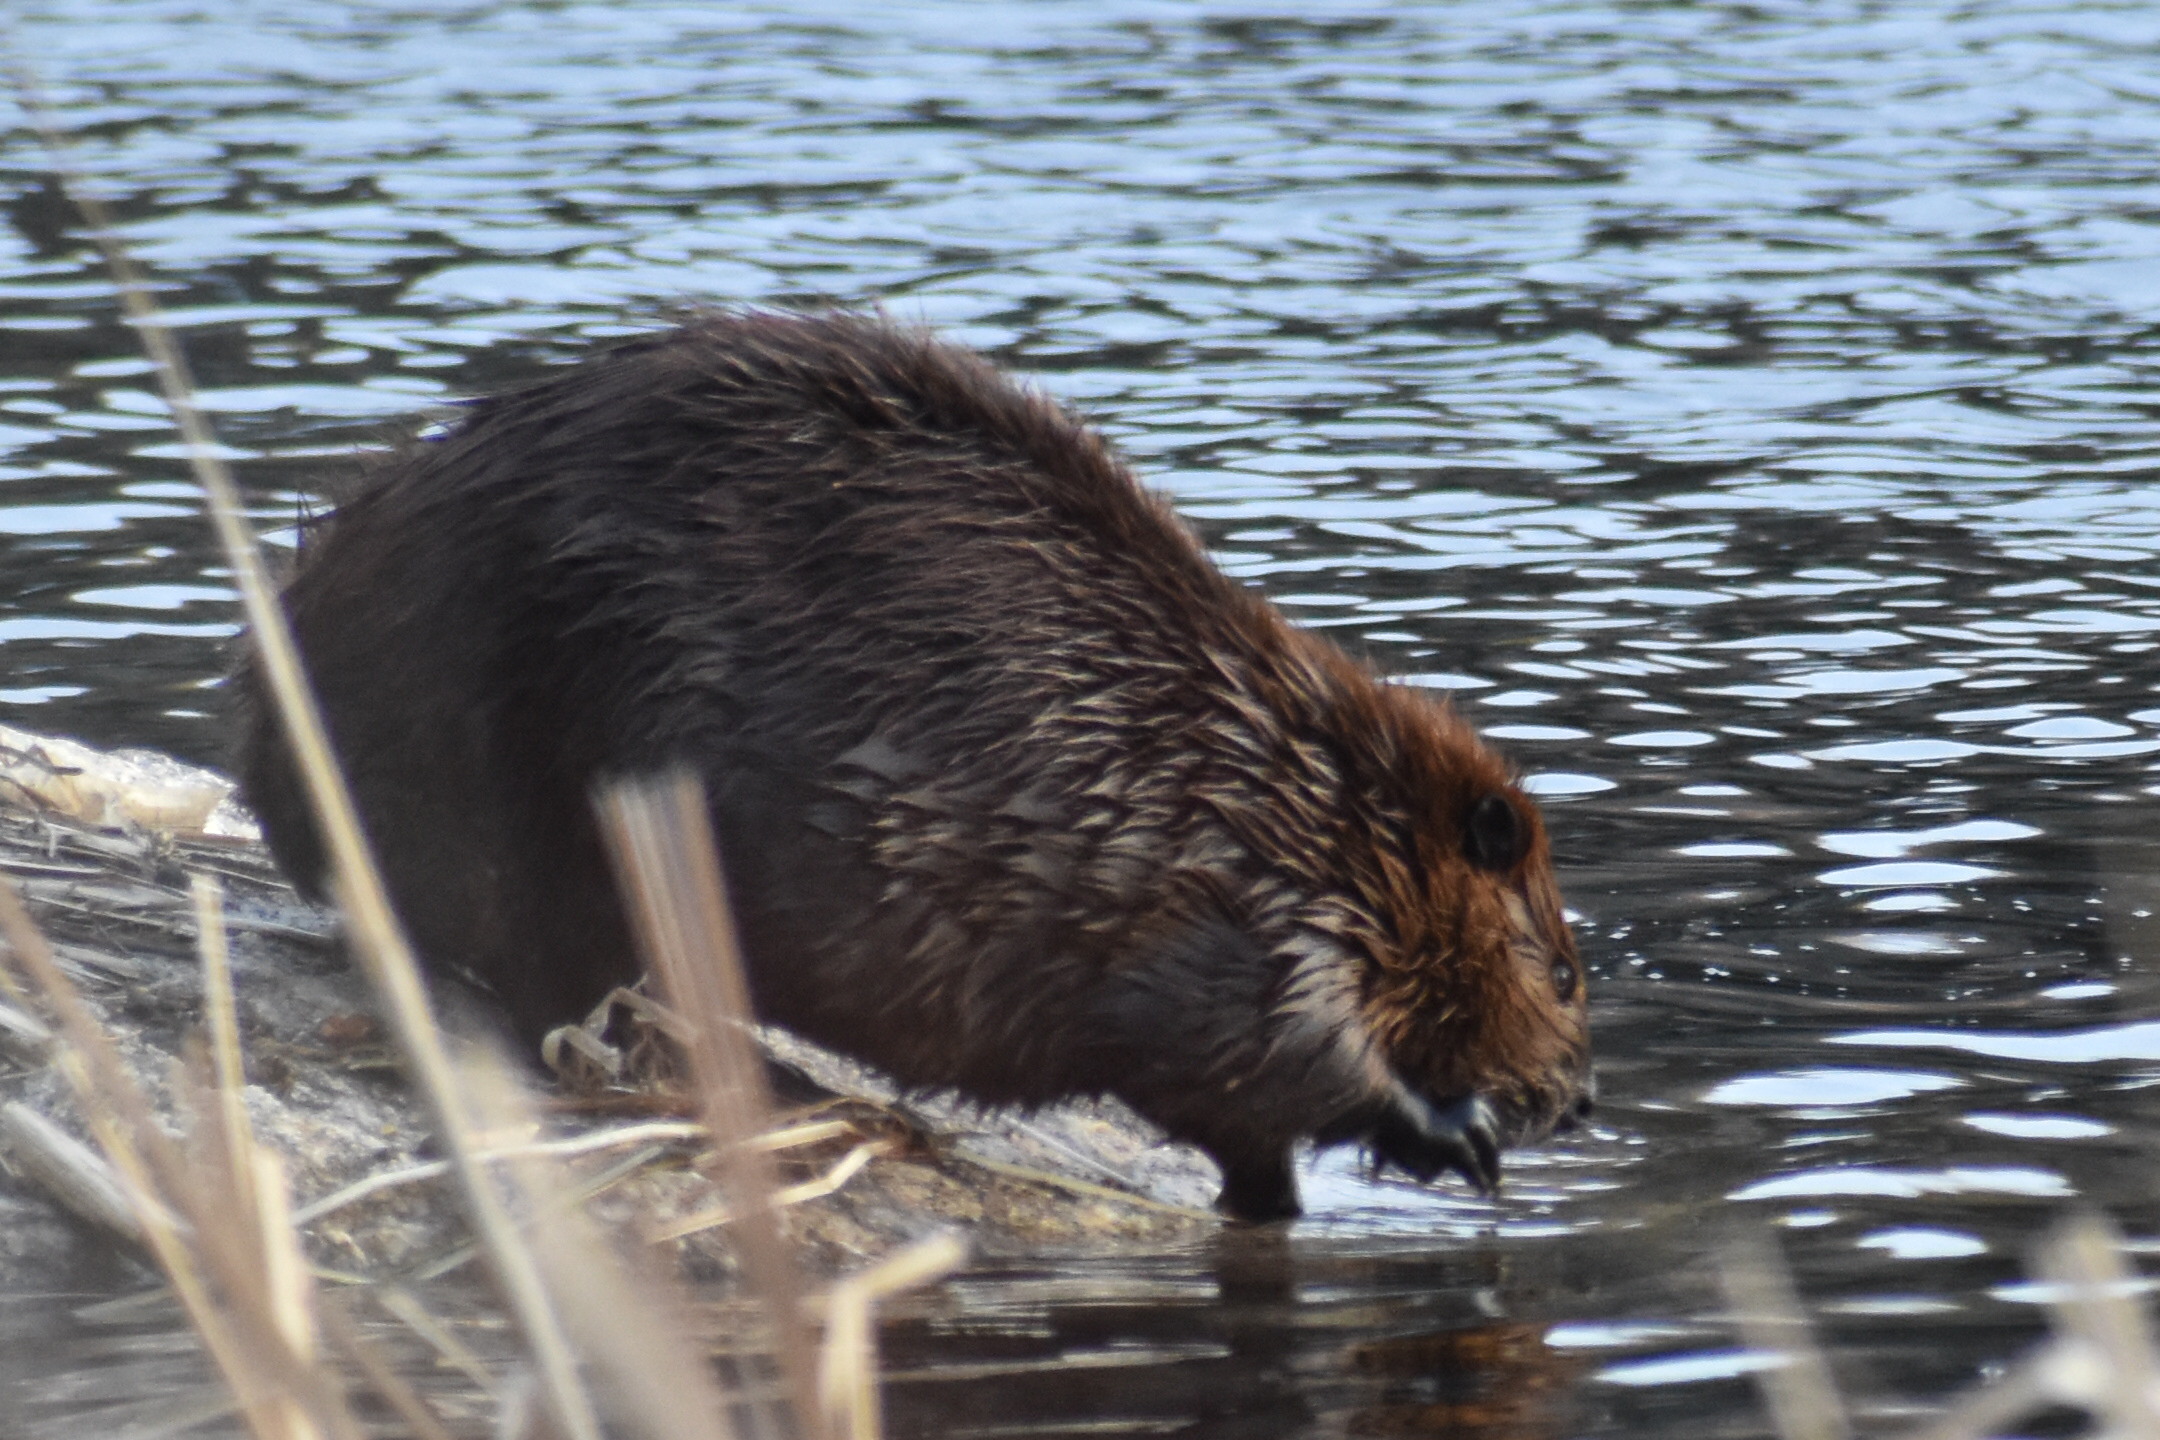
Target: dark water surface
{"points": [[1746, 411]]}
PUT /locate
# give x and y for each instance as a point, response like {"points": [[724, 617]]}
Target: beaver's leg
{"points": [[1258, 1186]]}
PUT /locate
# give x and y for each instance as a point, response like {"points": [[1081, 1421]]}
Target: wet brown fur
{"points": [[1018, 793]]}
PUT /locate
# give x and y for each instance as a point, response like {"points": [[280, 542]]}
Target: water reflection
{"points": [[1743, 415], [1284, 1339]]}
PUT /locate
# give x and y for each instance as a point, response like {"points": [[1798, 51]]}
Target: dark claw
{"points": [[1424, 1140]]}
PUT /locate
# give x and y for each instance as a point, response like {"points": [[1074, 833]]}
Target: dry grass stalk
{"points": [[345, 1336], [221, 1017], [1985, 1410], [288, 1298], [847, 1363], [71, 1172], [660, 836], [2101, 1358], [84, 1056], [23, 1037], [219, 1269], [2104, 1360], [377, 939], [1073, 1185], [615, 1138], [567, 1195], [246, 1182], [843, 1170], [1798, 1391], [405, 1307], [630, 1324], [808, 1132]]}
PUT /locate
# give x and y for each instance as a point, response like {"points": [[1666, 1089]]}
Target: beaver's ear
{"points": [[1494, 834]]}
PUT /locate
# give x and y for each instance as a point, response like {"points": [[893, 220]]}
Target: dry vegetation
{"points": [[212, 1207], [2099, 1358]]}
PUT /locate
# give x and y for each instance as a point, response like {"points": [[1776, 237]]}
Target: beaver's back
{"points": [[765, 545]]}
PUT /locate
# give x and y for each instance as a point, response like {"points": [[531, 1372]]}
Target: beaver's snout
{"points": [[1573, 1117], [1423, 1140]]}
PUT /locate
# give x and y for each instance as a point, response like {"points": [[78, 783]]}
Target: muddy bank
{"points": [[103, 848]]}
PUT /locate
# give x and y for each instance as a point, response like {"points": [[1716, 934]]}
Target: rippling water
{"points": [[1746, 412]]}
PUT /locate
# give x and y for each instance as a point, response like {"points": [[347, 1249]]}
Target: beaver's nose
{"points": [[1572, 1118]]}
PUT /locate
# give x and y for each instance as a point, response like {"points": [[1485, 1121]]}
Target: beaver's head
{"points": [[1440, 967], [1481, 1018]]}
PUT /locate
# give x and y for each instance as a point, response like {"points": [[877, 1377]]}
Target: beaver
{"points": [[1019, 795]]}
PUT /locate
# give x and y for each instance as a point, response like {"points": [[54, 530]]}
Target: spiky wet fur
{"points": [[1019, 794]]}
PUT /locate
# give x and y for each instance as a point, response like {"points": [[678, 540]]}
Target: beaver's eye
{"points": [[1494, 836], [1563, 979]]}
